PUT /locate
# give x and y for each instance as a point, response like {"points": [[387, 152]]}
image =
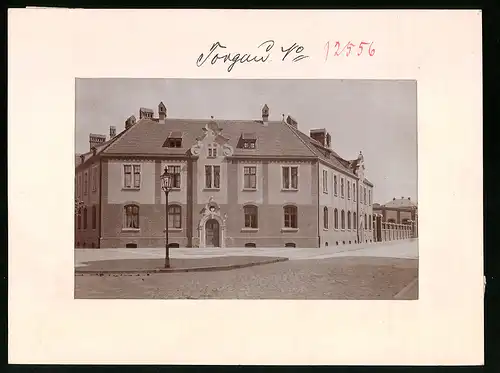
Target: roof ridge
{"points": [[309, 147], [301, 140]]}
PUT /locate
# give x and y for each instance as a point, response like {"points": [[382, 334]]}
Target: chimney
{"points": [[162, 112], [145, 113], [292, 122], [321, 136], [112, 132], [96, 140], [265, 114], [129, 122]]}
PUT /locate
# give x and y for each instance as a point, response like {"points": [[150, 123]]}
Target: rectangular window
{"points": [[85, 218], [250, 213], [176, 172], [131, 219], [360, 194], [369, 197], [174, 217], [348, 189], [127, 172], [290, 177], [212, 151], [250, 177], [137, 176], [79, 185], [354, 191], [325, 181], [174, 143], [131, 176], [94, 217], [335, 188], [249, 144], [94, 179], [212, 177], [290, 217], [364, 195], [342, 187], [85, 183]]}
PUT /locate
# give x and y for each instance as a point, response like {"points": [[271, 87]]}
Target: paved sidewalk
{"points": [[407, 249], [176, 265]]}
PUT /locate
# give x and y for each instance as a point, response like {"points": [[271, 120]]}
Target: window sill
{"points": [[325, 192], [131, 229], [325, 229], [249, 190], [289, 230], [212, 189], [131, 188], [173, 230], [246, 229], [289, 190]]}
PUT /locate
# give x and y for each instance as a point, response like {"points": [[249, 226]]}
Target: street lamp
{"points": [[166, 185]]}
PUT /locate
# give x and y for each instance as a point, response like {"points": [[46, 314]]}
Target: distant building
{"points": [[237, 183], [399, 211]]}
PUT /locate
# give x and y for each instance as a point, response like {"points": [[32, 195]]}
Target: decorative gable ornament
{"points": [[212, 129], [212, 210]]}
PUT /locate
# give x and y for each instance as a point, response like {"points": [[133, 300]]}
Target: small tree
{"points": [[78, 206]]}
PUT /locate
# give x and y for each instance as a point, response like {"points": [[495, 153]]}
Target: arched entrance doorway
{"points": [[212, 233]]}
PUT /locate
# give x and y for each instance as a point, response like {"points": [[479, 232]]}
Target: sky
{"points": [[377, 117]]}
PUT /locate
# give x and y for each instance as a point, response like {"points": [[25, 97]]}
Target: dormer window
{"points": [[174, 140], [249, 144], [174, 143], [212, 151], [248, 141]]}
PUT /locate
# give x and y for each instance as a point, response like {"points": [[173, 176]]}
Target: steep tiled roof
{"points": [[147, 137], [327, 155], [99, 149], [274, 139]]}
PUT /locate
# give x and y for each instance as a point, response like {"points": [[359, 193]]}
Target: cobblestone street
{"points": [[359, 277]]}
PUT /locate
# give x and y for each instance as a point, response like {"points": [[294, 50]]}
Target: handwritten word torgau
{"points": [[235, 58]]}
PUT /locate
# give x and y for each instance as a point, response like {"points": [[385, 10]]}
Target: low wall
{"points": [[385, 231]]}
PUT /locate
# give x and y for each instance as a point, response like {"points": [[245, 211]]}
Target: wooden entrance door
{"points": [[212, 233]]}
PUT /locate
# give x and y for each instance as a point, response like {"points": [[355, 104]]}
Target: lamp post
{"points": [[166, 186]]}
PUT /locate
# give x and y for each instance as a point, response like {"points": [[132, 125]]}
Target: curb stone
{"points": [[177, 270], [407, 289]]}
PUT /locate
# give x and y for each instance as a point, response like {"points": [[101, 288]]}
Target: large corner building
{"points": [[238, 183]]}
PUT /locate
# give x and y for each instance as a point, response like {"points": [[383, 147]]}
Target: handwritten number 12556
{"points": [[348, 48]]}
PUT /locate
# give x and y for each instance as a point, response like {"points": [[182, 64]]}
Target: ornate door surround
{"points": [[211, 211]]}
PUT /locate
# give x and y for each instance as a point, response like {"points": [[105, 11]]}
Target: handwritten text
{"points": [[217, 53], [339, 49]]}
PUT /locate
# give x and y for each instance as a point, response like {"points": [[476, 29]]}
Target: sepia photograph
{"points": [[246, 189]]}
